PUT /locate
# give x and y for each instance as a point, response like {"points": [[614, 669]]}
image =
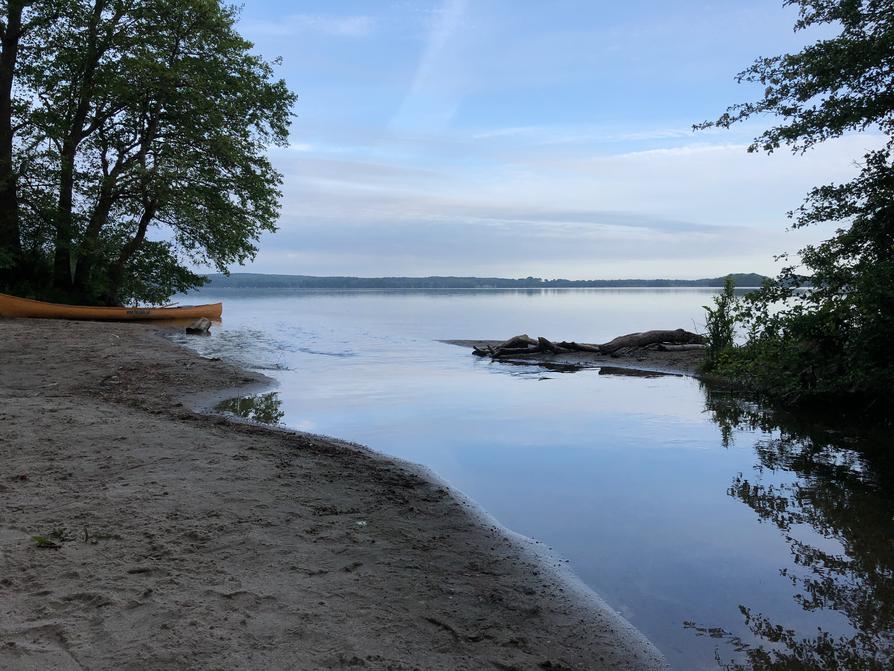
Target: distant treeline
{"points": [[261, 281]]}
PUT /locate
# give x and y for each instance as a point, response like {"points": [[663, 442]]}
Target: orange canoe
{"points": [[11, 306]]}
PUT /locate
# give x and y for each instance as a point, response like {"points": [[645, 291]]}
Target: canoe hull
{"points": [[12, 306]]}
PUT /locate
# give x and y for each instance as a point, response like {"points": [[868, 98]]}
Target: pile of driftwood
{"points": [[666, 341]]}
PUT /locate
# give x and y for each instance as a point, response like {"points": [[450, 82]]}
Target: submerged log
{"points": [[578, 347], [664, 347], [516, 351], [664, 340]]}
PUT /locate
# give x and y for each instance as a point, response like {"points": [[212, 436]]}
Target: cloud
{"points": [[438, 83], [709, 183], [584, 135], [338, 26], [694, 209], [548, 135], [422, 246], [354, 218]]}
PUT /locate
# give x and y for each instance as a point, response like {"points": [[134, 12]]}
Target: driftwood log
{"points": [[524, 345], [640, 340]]}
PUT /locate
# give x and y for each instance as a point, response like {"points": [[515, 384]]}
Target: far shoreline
{"points": [[248, 280]]}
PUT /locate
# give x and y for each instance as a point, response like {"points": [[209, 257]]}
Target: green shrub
{"points": [[720, 325]]}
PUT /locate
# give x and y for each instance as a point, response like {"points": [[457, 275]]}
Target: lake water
{"points": [[720, 531]]}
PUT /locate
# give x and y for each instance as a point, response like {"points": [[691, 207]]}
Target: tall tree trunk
{"points": [[116, 272], [62, 262], [64, 219], [10, 238], [98, 219]]}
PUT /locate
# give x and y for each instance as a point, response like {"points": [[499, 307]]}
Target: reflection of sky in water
{"points": [[626, 477]]}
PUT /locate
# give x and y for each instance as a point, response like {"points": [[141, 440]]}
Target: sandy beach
{"points": [[138, 532]]}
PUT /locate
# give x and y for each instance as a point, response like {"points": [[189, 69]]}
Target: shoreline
{"points": [[188, 540]]}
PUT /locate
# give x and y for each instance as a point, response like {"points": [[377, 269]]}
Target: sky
{"points": [[519, 138]]}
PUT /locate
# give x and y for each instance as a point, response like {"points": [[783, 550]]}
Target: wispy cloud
{"points": [[334, 25], [557, 135], [512, 131], [435, 93]]}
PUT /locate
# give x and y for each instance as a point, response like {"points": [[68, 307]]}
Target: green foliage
{"points": [[833, 86], [44, 543], [720, 324], [142, 141], [154, 274], [820, 331], [6, 259]]}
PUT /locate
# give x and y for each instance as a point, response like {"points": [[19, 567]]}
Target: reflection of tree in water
{"points": [[263, 408], [843, 491]]}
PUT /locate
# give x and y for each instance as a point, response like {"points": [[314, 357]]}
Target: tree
{"points": [[720, 324], [832, 340], [146, 142], [10, 36]]}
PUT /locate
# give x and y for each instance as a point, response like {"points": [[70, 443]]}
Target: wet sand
{"points": [[173, 539]]}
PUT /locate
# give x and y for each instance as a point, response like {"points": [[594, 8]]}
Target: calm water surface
{"points": [[719, 531]]}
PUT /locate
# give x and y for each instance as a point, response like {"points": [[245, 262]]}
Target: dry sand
{"points": [[186, 541]]}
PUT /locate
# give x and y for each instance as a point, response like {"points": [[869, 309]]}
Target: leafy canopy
{"points": [[830, 340], [142, 133]]}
